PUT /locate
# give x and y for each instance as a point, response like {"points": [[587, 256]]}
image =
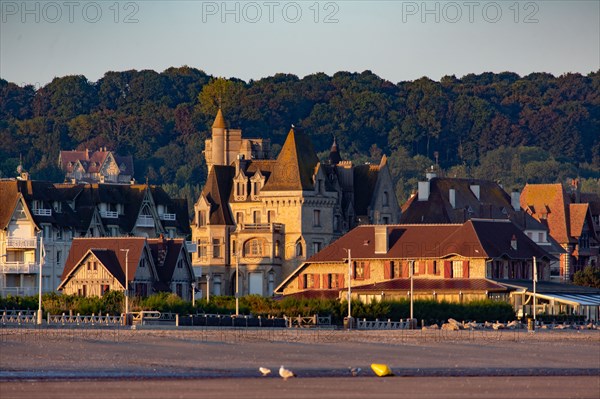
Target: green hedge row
{"points": [[113, 303]]}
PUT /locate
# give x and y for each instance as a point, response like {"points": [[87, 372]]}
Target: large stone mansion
{"points": [[267, 216]]}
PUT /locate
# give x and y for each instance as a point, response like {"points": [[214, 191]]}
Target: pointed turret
{"points": [[334, 154], [295, 164], [219, 122], [218, 140]]}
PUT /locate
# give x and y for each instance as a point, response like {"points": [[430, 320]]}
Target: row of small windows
{"points": [[252, 247], [257, 217]]}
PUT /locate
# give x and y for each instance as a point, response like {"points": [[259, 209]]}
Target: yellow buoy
{"points": [[382, 370]]}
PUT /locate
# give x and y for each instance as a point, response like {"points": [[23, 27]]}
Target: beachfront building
{"points": [[39, 213], [263, 217], [451, 262], [455, 200], [96, 266]]}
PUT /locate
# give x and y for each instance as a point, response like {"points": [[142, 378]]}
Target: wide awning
{"points": [[568, 294], [571, 299]]}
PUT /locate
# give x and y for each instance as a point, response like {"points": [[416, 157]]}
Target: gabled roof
{"points": [[217, 191], [548, 204], [46, 193], [495, 238], [295, 165], [165, 253], [92, 161], [579, 214], [487, 239], [493, 202], [474, 239], [103, 247], [9, 196]]}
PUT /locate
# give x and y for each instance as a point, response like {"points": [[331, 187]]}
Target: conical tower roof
{"points": [[295, 164], [219, 122], [334, 154]]}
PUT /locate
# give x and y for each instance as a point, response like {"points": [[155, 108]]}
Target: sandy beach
{"points": [[200, 362]]}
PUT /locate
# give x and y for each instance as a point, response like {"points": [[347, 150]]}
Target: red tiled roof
{"points": [[81, 246], [578, 213], [438, 285], [474, 239], [548, 204]]}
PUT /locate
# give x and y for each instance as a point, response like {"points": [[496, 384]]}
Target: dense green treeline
{"points": [[537, 128]]}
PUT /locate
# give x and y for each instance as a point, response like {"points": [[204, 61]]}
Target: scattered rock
{"points": [[450, 327]]}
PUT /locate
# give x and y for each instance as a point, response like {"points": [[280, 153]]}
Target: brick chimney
{"points": [[381, 239]]}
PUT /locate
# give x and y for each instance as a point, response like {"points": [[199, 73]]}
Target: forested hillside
{"points": [[537, 128]]}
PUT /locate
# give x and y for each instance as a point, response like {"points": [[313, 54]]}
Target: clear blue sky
{"points": [[398, 40]]}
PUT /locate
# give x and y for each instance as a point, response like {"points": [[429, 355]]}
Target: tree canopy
{"points": [[535, 128]]}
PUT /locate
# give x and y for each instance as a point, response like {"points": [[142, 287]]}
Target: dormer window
{"points": [[257, 182], [240, 184], [201, 218]]}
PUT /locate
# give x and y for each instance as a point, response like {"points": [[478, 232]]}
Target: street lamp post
{"points": [[349, 284], [194, 294], [39, 313], [207, 288], [534, 287], [237, 283], [349, 287], [126, 285], [411, 267]]}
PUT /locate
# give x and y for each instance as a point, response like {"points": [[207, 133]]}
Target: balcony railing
{"points": [[16, 242], [167, 216], [20, 267], [42, 212], [263, 226], [145, 221], [109, 214], [18, 291]]}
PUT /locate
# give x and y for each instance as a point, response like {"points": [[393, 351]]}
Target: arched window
{"points": [[299, 249], [254, 247]]}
